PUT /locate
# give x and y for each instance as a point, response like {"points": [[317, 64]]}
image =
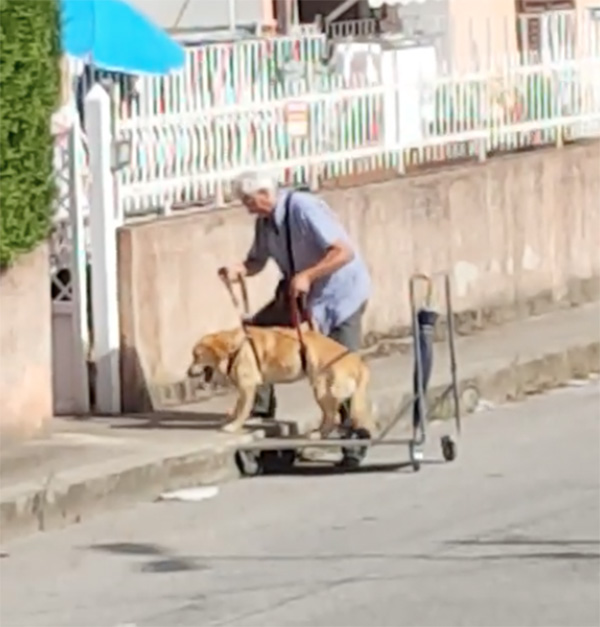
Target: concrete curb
{"points": [[510, 382], [61, 502]]}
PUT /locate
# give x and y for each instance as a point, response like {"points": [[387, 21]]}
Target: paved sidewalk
{"points": [[89, 465]]}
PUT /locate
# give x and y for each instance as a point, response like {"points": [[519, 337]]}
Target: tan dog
{"points": [[256, 355]]}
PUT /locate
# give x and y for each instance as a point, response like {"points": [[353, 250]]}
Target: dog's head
{"points": [[212, 353]]}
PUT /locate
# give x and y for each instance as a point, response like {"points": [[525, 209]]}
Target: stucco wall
{"points": [[25, 347], [483, 33], [508, 231]]}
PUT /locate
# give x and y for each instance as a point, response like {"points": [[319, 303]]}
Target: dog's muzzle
{"points": [[206, 372]]}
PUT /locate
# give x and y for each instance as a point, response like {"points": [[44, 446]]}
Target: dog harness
{"points": [[233, 357]]}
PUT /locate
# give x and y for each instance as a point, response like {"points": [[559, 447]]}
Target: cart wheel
{"points": [[249, 463], [274, 462], [448, 448], [415, 457]]}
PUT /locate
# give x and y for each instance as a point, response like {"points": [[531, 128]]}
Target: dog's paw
{"points": [[230, 427], [315, 435]]}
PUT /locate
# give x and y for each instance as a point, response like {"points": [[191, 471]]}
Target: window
{"points": [[546, 29]]}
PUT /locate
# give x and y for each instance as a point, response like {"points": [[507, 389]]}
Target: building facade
{"points": [[206, 14]]}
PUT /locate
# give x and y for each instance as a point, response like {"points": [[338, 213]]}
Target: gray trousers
{"points": [[276, 313]]}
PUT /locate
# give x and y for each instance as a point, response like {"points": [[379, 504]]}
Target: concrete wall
{"points": [[25, 347], [588, 35], [483, 33], [515, 229]]}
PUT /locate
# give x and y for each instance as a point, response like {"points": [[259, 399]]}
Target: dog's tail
{"points": [[360, 407]]}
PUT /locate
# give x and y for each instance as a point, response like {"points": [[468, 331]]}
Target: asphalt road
{"points": [[507, 535]]}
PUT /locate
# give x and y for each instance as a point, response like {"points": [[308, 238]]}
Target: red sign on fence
{"points": [[297, 119]]}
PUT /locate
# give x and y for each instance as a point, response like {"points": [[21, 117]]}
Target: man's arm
{"points": [[317, 221], [258, 255], [255, 261]]}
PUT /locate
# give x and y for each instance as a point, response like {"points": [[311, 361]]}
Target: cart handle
{"points": [[244, 311]]}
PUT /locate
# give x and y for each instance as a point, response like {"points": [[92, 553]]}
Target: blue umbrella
{"points": [[112, 35]]}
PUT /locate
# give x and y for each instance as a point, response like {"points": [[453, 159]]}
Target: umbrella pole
{"points": [[424, 319]]}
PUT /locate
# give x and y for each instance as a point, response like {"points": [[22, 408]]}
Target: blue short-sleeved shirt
{"points": [[314, 228]]}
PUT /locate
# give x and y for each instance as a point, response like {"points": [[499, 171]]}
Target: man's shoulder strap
{"points": [[286, 225], [288, 232]]}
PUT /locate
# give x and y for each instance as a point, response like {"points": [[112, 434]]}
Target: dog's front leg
{"points": [[241, 411]]}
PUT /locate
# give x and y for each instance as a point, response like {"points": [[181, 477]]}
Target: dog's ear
{"points": [[225, 343], [197, 351]]}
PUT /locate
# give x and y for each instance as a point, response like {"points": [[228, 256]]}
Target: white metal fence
{"points": [[352, 28], [259, 69], [221, 74], [190, 157]]}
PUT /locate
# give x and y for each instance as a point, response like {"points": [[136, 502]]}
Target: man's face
{"points": [[260, 203]]}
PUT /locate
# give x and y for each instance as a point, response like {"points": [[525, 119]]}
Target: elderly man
{"points": [[317, 260]]}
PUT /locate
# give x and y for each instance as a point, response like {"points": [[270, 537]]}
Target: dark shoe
{"points": [[353, 457], [262, 413], [266, 412]]}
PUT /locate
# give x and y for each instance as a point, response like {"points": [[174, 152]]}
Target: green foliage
{"points": [[29, 93]]}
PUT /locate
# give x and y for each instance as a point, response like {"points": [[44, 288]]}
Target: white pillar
{"points": [[231, 10], [103, 233], [81, 340]]}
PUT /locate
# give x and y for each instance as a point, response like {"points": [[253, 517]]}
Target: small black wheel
{"points": [[249, 463], [415, 457], [448, 448], [352, 457], [274, 462]]}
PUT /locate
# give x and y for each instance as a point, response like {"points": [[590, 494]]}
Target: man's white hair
{"points": [[250, 183]]}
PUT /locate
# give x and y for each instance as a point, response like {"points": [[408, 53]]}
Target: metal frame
{"points": [[247, 453]]}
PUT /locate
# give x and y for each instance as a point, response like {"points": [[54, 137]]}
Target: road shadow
{"points": [[523, 542], [173, 419], [529, 556], [197, 420], [331, 468], [162, 560]]}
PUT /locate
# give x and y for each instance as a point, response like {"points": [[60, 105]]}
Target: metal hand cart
{"points": [[279, 454]]}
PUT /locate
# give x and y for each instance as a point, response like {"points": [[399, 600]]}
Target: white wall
{"points": [[431, 19], [171, 14]]}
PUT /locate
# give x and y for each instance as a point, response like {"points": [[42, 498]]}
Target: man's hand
{"points": [[232, 273], [300, 285]]}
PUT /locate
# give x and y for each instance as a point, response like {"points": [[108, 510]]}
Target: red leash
{"points": [[299, 313]]}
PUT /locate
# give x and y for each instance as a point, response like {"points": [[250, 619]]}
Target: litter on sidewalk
{"points": [[191, 495]]}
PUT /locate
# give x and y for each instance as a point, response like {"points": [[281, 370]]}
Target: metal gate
{"points": [[69, 272]]}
